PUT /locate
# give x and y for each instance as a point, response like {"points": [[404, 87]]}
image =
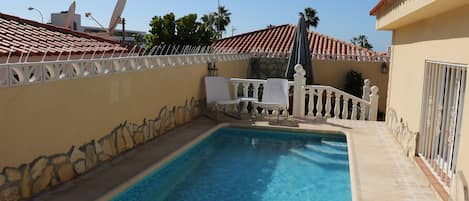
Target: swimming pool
{"points": [[240, 164]]}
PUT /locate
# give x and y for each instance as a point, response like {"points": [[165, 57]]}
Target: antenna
{"points": [[88, 15], [68, 23], [116, 15]]}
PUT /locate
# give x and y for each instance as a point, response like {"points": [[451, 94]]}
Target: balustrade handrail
{"points": [[256, 81], [338, 91]]}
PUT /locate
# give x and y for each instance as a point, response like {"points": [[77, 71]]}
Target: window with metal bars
{"points": [[442, 106]]}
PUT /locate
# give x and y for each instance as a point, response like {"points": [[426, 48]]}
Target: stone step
{"points": [[318, 159], [341, 146], [327, 151]]}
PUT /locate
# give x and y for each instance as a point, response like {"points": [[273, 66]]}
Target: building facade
{"points": [[427, 85]]}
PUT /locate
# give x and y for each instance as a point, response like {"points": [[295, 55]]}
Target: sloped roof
{"points": [[380, 5], [20, 36], [279, 40]]}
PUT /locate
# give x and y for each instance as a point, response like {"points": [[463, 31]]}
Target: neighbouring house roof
{"points": [[20, 36], [279, 39], [380, 5]]}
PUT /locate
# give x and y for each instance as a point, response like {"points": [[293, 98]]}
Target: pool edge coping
{"points": [[354, 182]]}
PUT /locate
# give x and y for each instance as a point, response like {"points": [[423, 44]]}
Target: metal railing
{"points": [[24, 73], [357, 56], [441, 118]]}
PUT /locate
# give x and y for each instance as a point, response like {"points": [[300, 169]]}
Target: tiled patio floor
{"points": [[382, 171], [380, 168]]}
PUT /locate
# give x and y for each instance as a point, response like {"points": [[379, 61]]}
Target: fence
{"points": [[23, 73]]}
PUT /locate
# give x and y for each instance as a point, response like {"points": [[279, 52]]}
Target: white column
{"points": [[354, 110], [299, 91], [345, 108], [366, 95], [374, 98], [311, 102], [245, 89], [319, 103], [366, 90], [328, 104], [235, 90], [256, 90], [337, 106]]}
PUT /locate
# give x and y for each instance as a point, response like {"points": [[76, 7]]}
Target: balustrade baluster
{"points": [[256, 90], [362, 111], [319, 103], [354, 110], [245, 89], [328, 103], [345, 108], [311, 103], [246, 94], [337, 106], [235, 90]]}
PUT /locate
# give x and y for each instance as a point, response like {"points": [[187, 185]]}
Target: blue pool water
{"points": [[237, 164]]}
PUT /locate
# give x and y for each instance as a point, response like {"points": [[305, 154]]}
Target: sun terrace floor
{"points": [[380, 169]]}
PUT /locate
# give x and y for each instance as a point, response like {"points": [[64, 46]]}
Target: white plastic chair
{"points": [[275, 96], [218, 96], [217, 91]]}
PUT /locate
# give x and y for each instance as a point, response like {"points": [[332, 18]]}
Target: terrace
{"points": [[141, 82], [85, 123]]}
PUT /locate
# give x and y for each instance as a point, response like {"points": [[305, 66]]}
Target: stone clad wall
{"points": [[45, 172], [52, 132], [403, 135]]}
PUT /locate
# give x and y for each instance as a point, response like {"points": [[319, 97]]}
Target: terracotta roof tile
{"points": [[279, 40], [380, 5], [22, 35]]}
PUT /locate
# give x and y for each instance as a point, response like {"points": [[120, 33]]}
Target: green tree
{"points": [[222, 19], [186, 30], [139, 39], [163, 30], [217, 21], [311, 17], [354, 83], [362, 41]]}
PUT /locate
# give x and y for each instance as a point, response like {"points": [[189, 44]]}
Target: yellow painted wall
{"points": [[49, 118], [404, 12], [333, 73], [443, 38]]}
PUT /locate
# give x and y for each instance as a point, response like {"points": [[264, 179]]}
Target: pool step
{"points": [[318, 159], [327, 150], [342, 146]]}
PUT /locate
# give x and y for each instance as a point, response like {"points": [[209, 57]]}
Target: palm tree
{"points": [[217, 21], [209, 21], [222, 19], [311, 18], [362, 41]]}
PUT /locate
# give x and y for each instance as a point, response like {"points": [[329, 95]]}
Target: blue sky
{"points": [[342, 19]]}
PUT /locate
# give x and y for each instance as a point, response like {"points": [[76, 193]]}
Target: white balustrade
{"points": [[324, 101], [16, 74], [336, 102], [245, 84]]}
